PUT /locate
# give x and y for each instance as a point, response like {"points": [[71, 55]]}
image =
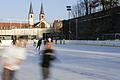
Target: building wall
{"points": [[93, 26]]}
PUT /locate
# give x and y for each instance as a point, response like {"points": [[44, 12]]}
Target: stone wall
{"points": [[93, 26]]}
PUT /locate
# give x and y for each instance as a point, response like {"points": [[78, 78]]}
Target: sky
{"points": [[18, 9]]}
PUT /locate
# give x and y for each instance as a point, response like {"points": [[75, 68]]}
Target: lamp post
{"points": [[76, 27], [69, 10]]}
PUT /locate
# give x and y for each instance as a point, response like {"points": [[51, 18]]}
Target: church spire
{"points": [[31, 16], [42, 10], [31, 9], [42, 14]]}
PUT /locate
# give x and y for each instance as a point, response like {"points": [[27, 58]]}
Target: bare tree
{"points": [[85, 7], [74, 11], [93, 4], [79, 9], [107, 4]]}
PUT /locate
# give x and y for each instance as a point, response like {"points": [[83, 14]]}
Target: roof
{"points": [[36, 24], [42, 10], [31, 9], [15, 25]]}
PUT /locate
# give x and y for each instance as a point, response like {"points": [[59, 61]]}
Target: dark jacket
{"points": [[39, 42], [48, 55]]}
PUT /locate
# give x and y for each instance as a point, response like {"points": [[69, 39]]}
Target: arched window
{"points": [[31, 16]]}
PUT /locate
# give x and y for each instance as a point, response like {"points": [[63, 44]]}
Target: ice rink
{"points": [[74, 62]]}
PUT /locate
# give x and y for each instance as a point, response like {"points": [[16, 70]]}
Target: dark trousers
{"points": [[38, 46], [45, 73], [8, 74]]}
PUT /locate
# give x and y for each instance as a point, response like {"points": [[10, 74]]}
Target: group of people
{"points": [[16, 54]]}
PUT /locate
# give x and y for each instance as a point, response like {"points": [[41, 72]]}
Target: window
{"points": [[31, 16]]}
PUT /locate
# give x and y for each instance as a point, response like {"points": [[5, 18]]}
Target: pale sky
{"points": [[18, 9]]}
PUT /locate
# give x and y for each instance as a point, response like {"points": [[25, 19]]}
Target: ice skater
{"points": [[0, 43], [13, 57], [48, 56], [39, 44]]}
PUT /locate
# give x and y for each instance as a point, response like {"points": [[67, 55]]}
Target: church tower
{"points": [[42, 24], [31, 16], [42, 17], [42, 14]]}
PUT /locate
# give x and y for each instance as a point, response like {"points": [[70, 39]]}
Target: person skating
{"points": [[39, 44], [48, 56], [13, 57]]}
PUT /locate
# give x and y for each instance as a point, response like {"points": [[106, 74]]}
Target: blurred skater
{"points": [[48, 56], [13, 57], [39, 44], [0, 43], [34, 42], [13, 40]]}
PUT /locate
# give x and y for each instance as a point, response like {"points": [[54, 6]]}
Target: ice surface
{"points": [[74, 62]]}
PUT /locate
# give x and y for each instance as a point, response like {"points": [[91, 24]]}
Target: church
{"points": [[42, 22], [28, 28]]}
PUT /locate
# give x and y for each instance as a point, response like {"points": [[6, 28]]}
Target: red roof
{"points": [[13, 25]]}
